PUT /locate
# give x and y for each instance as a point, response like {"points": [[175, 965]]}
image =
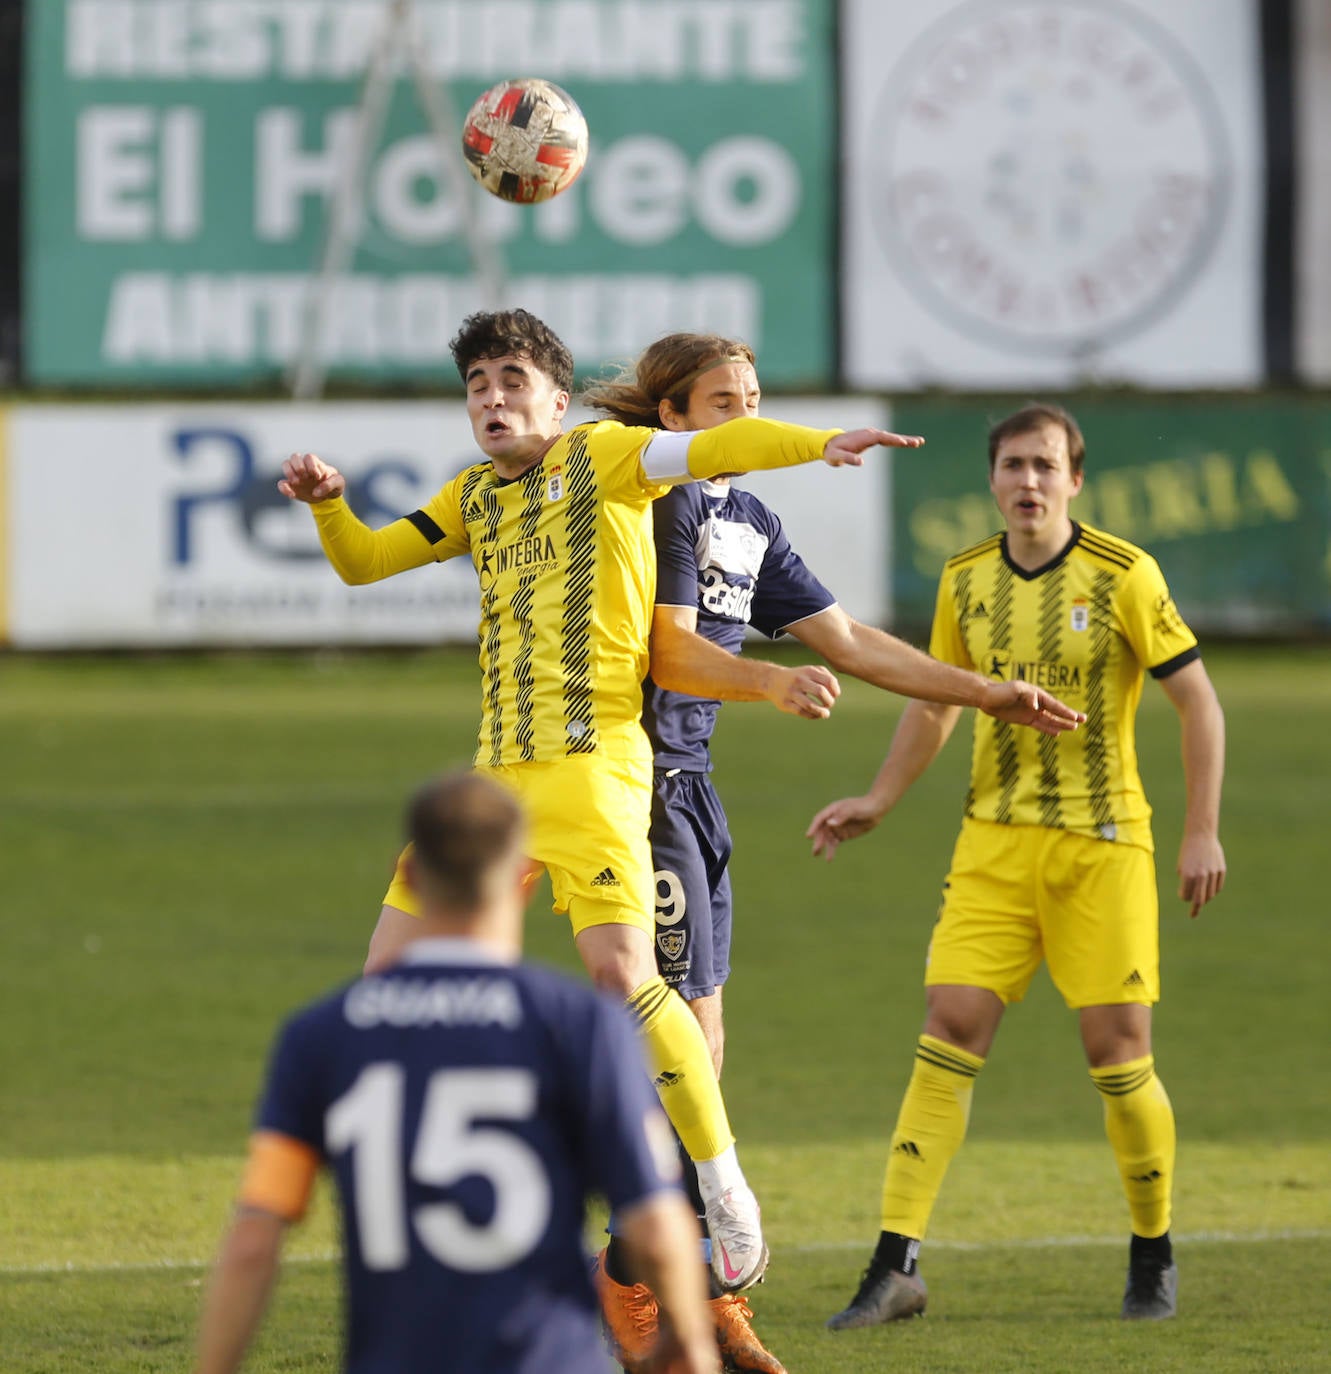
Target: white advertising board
{"points": [[1044, 193], [161, 525]]}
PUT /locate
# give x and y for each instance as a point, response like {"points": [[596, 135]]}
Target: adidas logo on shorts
{"points": [[605, 878]]}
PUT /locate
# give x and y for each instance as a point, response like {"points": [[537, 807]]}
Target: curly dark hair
{"points": [[499, 333]]}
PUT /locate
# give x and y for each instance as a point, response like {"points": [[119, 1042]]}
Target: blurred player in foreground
{"points": [[724, 563], [1055, 856], [559, 528], [467, 1104]]}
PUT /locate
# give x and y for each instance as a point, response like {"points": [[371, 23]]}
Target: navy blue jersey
{"points": [[467, 1108], [719, 548]]}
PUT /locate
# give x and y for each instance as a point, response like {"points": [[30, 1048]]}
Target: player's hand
{"points": [[306, 477], [809, 691], [842, 820], [1021, 703], [1201, 870], [845, 450]]}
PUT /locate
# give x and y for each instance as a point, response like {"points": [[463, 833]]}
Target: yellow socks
{"points": [[930, 1128], [682, 1067], [1140, 1125]]}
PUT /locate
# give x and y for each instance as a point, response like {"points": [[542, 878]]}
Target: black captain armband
{"points": [[1171, 666], [433, 534]]}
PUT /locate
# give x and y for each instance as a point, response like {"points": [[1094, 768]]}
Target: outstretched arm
{"points": [[684, 661], [358, 553], [1201, 860], [751, 444], [885, 661], [921, 732]]}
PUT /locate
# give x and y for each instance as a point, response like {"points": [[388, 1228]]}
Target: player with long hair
{"points": [[724, 564]]}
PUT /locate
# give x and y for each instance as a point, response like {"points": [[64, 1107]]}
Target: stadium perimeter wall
{"points": [[160, 526]]}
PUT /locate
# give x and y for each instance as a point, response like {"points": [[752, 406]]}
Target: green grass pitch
{"points": [[190, 846]]}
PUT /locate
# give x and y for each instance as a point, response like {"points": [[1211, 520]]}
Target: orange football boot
{"points": [[741, 1350], [631, 1319]]}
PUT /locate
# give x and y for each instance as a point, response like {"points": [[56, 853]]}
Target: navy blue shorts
{"points": [[690, 851]]}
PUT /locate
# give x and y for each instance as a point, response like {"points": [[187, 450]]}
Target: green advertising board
{"points": [[1232, 495], [180, 153]]}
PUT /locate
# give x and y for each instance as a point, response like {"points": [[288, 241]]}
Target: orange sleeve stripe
{"points": [[279, 1175]]}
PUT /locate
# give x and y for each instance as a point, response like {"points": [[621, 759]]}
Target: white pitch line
{"points": [[1069, 1242], [811, 1247], [143, 1266]]}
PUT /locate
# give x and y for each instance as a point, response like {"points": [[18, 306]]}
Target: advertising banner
{"points": [[179, 156], [163, 525], [1046, 193], [158, 526], [1232, 496]]}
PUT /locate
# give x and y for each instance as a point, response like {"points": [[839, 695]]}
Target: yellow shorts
{"points": [[587, 821], [1018, 893]]}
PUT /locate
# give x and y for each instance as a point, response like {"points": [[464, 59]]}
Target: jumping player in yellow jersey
{"points": [[1054, 859], [559, 528]]}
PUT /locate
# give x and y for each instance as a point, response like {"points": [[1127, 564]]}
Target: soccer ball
{"points": [[525, 140]]}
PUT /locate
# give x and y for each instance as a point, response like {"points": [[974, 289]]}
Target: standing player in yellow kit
{"points": [[1054, 860]]}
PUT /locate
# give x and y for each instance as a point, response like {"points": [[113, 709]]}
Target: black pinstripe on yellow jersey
{"points": [[1084, 628], [579, 585], [524, 601], [567, 574]]}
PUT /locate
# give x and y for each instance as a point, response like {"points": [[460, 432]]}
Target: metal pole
{"points": [[399, 35], [436, 100], [344, 220]]}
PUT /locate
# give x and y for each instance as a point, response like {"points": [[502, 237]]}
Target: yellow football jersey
{"points": [[1086, 626], [567, 573], [567, 568]]}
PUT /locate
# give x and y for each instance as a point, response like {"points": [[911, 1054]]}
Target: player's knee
{"points": [[618, 958], [968, 1023], [613, 976], [1106, 1047], [617, 971]]}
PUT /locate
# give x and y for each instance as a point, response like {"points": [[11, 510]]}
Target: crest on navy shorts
{"points": [[671, 943]]}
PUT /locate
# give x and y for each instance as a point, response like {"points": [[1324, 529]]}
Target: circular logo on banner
{"points": [[1051, 177]]}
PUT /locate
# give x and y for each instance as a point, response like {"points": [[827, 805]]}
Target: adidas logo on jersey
{"points": [[978, 611], [667, 1079], [1134, 980], [605, 878], [910, 1149]]}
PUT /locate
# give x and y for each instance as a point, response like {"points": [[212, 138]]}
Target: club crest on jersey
{"points": [[671, 942], [554, 488], [1081, 615]]}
